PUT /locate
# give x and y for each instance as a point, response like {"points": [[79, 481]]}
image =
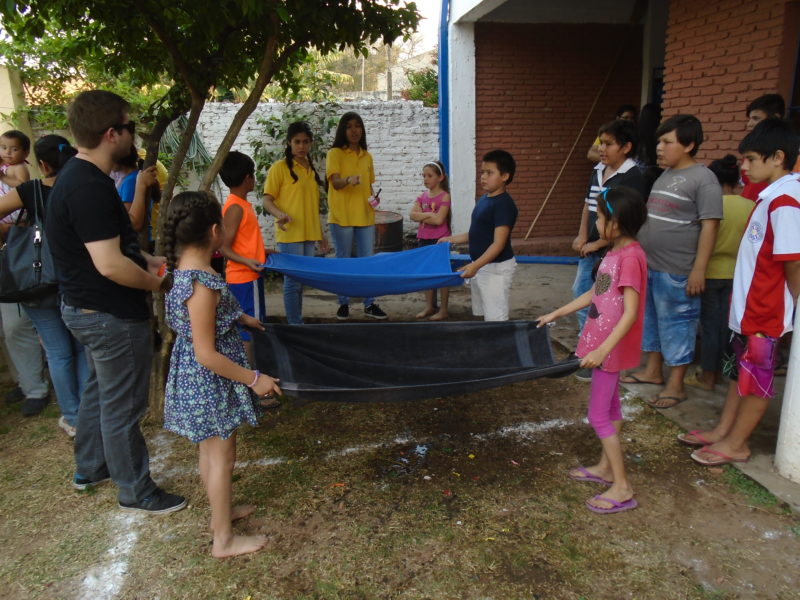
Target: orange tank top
{"points": [[248, 242]]}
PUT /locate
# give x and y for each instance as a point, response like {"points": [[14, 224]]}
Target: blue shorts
{"points": [[251, 298], [670, 318]]}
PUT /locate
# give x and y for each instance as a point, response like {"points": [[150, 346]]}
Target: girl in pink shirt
{"points": [[611, 339], [432, 211]]}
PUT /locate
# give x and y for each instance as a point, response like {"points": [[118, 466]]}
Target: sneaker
{"points": [[157, 503], [583, 375], [33, 406], [81, 483], [14, 395], [68, 429], [343, 313], [374, 311]]}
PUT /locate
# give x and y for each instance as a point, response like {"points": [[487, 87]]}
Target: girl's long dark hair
{"points": [[294, 129], [189, 218], [54, 151], [625, 207], [340, 139]]}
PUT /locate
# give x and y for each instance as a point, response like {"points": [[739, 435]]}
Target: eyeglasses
{"points": [[130, 126]]}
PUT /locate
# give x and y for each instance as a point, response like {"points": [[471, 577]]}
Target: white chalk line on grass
{"points": [[105, 581]]}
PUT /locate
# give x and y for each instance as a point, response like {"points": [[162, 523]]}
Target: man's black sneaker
{"points": [[81, 483], [14, 395], [157, 503], [374, 311], [33, 406], [583, 375], [343, 313]]}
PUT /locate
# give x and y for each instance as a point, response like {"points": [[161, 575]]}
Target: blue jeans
{"points": [[343, 241], [583, 283], [670, 318], [293, 289], [65, 359], [109, 441]]}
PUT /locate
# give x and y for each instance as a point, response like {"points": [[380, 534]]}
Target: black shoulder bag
{"points": [[26, 266]]}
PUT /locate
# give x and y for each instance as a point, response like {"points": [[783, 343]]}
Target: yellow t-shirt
{"points": [[298, 199], [735, 212], [348, 206]]}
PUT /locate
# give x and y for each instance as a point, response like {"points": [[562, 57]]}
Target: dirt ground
{"points": [[463, 497]]}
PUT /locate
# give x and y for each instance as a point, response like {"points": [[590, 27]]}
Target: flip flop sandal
{"points": [[615, 507], [724, 459], [698, 440], [586, 476], [677, 400], [635, 380], [268, 401]]}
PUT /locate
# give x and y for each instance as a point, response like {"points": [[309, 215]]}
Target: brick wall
{"points": [[402, 136], [535, 86], [720, 56]]}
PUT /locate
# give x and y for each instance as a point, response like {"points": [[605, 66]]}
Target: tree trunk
{"points": [[160, 364]]}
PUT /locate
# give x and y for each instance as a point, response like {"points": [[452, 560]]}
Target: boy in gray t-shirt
{"points": [[684, 209]]}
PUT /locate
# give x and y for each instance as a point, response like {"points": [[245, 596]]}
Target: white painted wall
{"points": [[402, 136]]}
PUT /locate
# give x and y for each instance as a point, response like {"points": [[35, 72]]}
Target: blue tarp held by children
{"points": [[380, 275], [358, 362]]}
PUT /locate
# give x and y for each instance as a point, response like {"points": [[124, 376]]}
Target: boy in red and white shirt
{"points": [[766, 283]]}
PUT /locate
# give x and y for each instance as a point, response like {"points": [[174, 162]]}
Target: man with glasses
{"points": [[104, 278]]}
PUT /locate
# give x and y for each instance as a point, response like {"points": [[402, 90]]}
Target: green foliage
{"points": [[755, 493], [424, 86], [269, 144]]}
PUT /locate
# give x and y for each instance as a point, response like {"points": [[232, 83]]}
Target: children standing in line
{"points": [[766, 284], [291, 195], [716, 299], [489, 237], [684, 210], [243, 245], [432, 211], [610, 341], [14, 149], [351, 201], [207, 395], [618, 142]]}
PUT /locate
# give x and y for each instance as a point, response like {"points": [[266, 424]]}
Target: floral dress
{"points": [[200, 404]]}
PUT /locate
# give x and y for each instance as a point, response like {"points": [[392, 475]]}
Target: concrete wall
{"points": [[402, 136], [720, 56]]}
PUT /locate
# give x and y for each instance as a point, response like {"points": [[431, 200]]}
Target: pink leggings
{"points": [[604, 404]]}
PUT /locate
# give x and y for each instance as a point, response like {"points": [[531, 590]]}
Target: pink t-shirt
{"points": [[428, 204], [626, 267]]}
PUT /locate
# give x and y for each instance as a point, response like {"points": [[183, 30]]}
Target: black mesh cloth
{"points": [[361, 362]]}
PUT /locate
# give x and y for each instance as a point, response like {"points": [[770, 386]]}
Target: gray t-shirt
{"points": [[679, 200]]}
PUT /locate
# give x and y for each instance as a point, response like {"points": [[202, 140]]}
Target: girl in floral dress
{"points": [[210, 386]]}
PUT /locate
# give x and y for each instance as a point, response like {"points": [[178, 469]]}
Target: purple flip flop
{"points": [[586, 476], [615, 506]]}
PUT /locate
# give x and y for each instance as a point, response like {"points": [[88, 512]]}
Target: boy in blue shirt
{"points": [[493, 218]]}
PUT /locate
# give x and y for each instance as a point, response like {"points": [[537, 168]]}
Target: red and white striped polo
{"points": [[761, 301]]}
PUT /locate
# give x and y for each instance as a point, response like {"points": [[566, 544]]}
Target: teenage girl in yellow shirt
{"points": [[291, 195], [351, 202]]}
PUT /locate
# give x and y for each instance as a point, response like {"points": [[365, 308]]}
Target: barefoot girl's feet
{"points": [[439, 316], [425, 313], [240, 511], [238, 544]]}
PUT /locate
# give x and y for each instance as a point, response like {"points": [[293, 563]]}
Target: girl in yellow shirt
{"points": [[291, 195], [350, 200]]}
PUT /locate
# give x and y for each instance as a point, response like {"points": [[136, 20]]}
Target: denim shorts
{"points": [[670, 318]]}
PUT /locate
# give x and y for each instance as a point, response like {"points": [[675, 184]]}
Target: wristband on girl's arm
{"points": [[257, 374]]}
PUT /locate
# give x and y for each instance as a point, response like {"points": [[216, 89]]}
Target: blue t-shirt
{"points": [[127, 191], [489, 213]]}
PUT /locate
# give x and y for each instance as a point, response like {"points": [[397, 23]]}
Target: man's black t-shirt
{"points": [[84, 207]]}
